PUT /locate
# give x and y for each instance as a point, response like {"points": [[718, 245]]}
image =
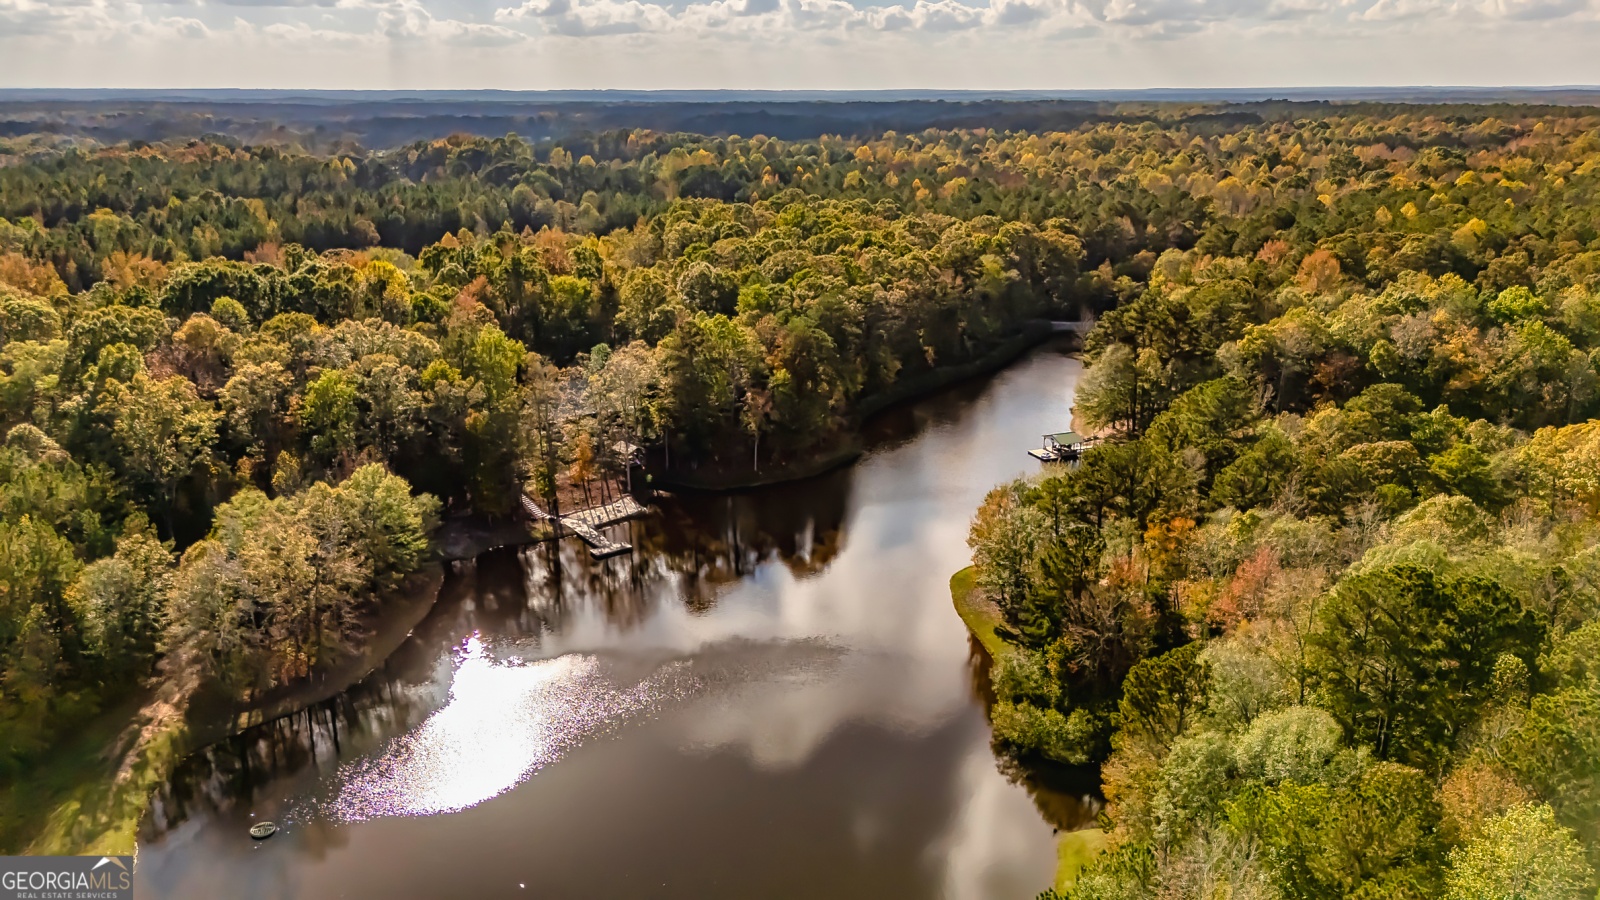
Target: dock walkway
{"points": [[586, 523]]}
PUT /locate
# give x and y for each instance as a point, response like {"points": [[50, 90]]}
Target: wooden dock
{"points": [[586, 523]]}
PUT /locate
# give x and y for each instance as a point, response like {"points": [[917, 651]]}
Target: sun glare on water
{"points": [[503, 721]]}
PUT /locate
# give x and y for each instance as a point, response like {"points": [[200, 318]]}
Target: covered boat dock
{"points": [[1063, 446]]}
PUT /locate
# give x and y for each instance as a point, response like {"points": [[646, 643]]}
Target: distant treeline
{"points": [[330, 121]]}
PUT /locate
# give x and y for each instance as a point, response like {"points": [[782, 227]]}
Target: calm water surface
{"points": [[772, 697]]}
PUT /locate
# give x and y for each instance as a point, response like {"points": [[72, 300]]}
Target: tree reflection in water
{"points": [[813, 694], [690, 549]]}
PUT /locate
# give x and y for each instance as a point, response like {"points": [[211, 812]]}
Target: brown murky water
{"points": [[772, 697]]}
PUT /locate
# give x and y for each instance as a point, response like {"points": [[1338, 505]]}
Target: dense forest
{"points": [[1323, 603], [220, 456], [1333, 564]]}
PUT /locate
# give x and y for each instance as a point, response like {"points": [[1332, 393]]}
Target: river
{"points": [[771, 697]]}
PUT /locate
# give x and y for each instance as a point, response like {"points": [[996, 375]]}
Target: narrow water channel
{"points": [[772, 697]]}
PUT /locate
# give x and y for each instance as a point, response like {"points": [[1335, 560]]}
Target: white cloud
{"points": [[795, 43], [272, 4], [409, 20], [946, 15], [71, 19], [1169, 14], [1019, 12], [599, 17], [1482, 12], [1533, 10], [594, 17], [171, 27], [99, 20], [299, 34], [1405, 10]]}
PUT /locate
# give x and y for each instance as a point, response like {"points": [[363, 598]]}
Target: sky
{"points": [[796, 44]]}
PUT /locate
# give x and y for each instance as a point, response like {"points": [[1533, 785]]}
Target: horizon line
{"points": [[930, 91]]}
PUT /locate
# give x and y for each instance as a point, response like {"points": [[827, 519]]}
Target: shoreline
{"points": [[98, 790], [470, 536], [1074, 849], [849, 448], [849, 445], [391, 627], [980, 616], [96, 799], [96, 795]]}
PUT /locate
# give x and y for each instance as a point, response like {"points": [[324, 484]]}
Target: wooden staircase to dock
{"points": [[586, 523]]}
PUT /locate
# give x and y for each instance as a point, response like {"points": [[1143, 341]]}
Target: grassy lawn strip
{"points": [[981, 615], [1074, 850], [64, 805], [89, 812]]}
